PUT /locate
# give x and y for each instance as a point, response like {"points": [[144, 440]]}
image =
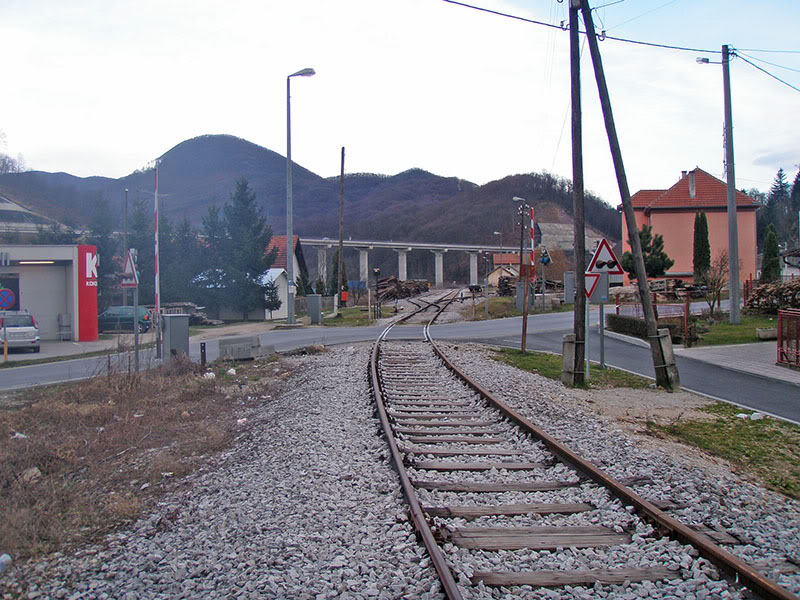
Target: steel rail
{"points": [[449, 585], [725, 560]]}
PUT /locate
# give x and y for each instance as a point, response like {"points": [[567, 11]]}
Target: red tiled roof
{"points": [[645, 197], [709, 191], [279, 242]]}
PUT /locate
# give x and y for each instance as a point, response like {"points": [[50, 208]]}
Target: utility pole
{"points": [[125, 243], [340, 264], [579, 236], [733, 232], [666, 375]]}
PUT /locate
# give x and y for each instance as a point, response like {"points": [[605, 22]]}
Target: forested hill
{"points": [[413, 205]]}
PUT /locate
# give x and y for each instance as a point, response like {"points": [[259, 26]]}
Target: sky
{"points": [[104, 87]]}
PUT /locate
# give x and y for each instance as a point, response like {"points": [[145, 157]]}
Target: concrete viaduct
{"points": [[402, 249]]}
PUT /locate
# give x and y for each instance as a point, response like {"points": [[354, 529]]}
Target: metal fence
{"points": [[789, 337]]}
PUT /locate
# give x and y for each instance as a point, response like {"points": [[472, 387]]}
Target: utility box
{"points": [[520, 297], [314, 308], [176, 335]]}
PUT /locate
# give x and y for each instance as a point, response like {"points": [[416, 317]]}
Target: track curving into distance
{"points": [[452, 441]]}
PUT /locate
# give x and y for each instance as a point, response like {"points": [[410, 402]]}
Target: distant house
{"points": [[671, 214], [502, 271], [279, 242]]}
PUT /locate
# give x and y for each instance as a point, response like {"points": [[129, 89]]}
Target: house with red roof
{"points": [[279, 242], [671, 214]]}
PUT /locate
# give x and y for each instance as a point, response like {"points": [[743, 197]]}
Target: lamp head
{"points": [[702, 60], [518, 199], [304, 73]]}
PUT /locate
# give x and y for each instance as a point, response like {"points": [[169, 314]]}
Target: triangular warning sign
{"points": [[604, 260], [591, 283], [130, 278]]}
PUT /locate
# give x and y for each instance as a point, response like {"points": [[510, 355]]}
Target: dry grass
{"points": [[96, 452]]}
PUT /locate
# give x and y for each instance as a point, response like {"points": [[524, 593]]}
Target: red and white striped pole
{"points": [[157, 281], [533, 241]]}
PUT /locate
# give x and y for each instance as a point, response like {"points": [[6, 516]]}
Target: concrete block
{"points": [[767, 333], [244, 347]]}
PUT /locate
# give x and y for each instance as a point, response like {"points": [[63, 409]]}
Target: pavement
{"points": [[754, 359]]}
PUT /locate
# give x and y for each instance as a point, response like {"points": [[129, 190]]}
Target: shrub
{"points": [[637, 327]]}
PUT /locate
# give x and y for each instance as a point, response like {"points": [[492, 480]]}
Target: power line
{"points": [[768, 73], [644, 14], [771, 51], [553, 26], [740, 53], [609, 4]]}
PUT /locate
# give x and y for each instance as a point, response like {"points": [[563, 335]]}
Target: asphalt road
{"points": [[545, 332]]}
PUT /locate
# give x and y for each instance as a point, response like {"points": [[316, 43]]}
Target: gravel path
{"points": [[306, 506]]}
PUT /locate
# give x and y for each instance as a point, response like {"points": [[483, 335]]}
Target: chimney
{"points": [[692, 188], [683, 174]]}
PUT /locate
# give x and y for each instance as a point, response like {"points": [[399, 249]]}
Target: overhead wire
{"points": [[775, 77], [740, 53], [606, 36]]}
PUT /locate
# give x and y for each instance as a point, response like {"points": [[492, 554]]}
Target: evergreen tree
{"points": [[776, 212], [701, 257], [140, 237], [210, 281], [656, 261], [179, 262], [101, 234], [794, 201], [770, 263], [272, 301], [54, 233], [247, 261]]}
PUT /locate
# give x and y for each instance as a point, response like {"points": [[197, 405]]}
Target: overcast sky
{"points": [[103, 87]]}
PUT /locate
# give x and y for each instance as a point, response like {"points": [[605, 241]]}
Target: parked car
{"points": [[120, 318], [19, 328]]}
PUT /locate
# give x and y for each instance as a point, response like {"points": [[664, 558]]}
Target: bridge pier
{"points": [[402, 268], [438, 279], [363, 265], [473, 268], [322, 264]]}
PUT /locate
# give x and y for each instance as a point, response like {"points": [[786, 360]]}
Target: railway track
{"points": [[486, 486]]}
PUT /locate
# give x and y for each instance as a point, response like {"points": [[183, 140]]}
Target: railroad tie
{"points": [[474, 512], [585, 578], [533, 538]]}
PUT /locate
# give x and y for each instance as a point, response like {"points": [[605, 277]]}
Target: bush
{"points": [[637, 327]]}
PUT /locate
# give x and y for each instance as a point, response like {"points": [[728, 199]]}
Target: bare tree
{"points": [[717, 280]]}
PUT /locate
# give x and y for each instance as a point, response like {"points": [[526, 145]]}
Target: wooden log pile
{"points": [[771, 297], [391, 288]]}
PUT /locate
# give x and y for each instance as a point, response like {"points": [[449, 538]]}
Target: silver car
{"points": [[19, 329]]}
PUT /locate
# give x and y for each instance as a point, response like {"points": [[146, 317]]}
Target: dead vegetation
{"points": [[78, 460]]}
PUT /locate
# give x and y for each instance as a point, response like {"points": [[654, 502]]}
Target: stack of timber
{"points": [[391, 288]]}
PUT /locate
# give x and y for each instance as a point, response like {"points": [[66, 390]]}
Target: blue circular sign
{"points": [[7, 299]]}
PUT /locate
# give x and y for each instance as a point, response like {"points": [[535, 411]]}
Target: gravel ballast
{"points": [[307, 505]]}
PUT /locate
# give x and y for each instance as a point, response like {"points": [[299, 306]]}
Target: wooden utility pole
{"points": [[579, 236], [666, 375], [340, 264]]}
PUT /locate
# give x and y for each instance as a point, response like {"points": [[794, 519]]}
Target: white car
{"points": [[19, 329]]}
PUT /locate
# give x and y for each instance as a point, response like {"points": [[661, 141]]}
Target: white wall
{"points": [[43, 291]]}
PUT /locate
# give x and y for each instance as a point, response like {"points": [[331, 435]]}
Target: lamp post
{"points": [[730, 176], [290, 292]]}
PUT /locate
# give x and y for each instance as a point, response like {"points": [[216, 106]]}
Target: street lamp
{"points": [[730, 176], [290, 292]]}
